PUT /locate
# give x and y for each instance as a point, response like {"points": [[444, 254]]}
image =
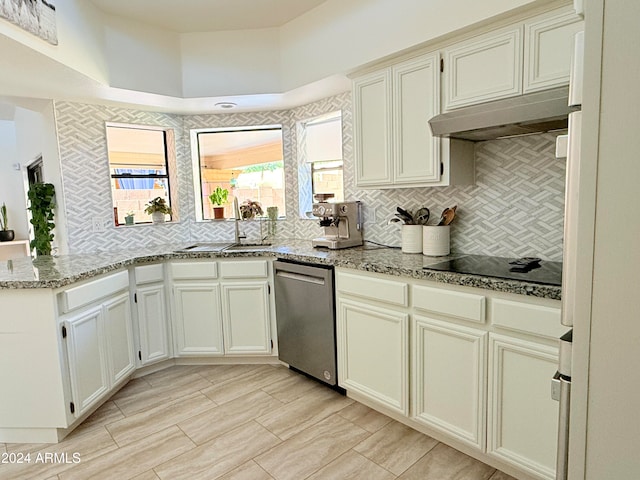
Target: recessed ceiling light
{"points": [[225, 105]]}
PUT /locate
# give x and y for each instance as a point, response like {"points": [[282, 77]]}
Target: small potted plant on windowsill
{"points": [[218, 198], [129, 218], [6, 235], [157, 208]]}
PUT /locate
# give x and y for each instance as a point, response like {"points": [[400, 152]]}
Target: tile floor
{"points": [[253, 422]]}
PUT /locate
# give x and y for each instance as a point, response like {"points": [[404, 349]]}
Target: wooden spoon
{"points": [[448, 214]]}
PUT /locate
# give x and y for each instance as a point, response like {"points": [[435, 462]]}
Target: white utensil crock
{"points": [[411, 238], [435, 240]]}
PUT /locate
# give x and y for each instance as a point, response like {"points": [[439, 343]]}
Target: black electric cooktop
{"points": [[548, 273]]}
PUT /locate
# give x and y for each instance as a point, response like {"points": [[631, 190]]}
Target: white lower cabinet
{"points": [[522, 417], [373, 358], [99, 350], [449, 378], [153, 324], [87, 356], [198, 319], [246, 318]]}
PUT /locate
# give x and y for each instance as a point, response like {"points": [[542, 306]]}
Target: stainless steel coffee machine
{"points": [[342, 223]]}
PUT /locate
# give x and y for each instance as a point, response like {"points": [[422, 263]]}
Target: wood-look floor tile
{"points": [[150, 421], [107, 413], [89, 444], [169, 375], [250, 382], [149, 475], [353, 466], [311, 449], [220, 455], [133, 387], [396, 447], [216, 421], [365, 417], [247, 471], [445, 463], [217, 374], [179, 388], [501, 476], [136, 458], [292, 387], [307, 410]]}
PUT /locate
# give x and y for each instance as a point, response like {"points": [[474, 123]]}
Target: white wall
{"points": [[339, 36], [142, 57], [613, 423], [239, 62], [11, 190]]}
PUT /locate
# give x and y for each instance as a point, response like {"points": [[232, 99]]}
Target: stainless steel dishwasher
{"points": [[305, 312]]}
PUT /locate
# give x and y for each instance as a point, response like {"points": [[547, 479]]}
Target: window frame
{"points": [[197, 169], [166, 175]]}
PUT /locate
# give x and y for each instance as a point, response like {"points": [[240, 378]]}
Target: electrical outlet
{"points": [[97, 224]]}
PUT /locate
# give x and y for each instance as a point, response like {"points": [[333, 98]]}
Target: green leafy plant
{"points": [[42, 198], [4, 226], [158, 204], [219, 196]]}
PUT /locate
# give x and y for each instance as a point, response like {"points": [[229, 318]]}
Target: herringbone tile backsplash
{"points": [[514, 209]]}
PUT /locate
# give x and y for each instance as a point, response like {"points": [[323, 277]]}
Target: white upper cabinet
{"points": [[394, 146], [372, 125], [484, 68], [548, 49], [416, 99]]}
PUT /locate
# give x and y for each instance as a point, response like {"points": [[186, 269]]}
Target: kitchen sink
{"points": [[243, 247], [206, 247]]}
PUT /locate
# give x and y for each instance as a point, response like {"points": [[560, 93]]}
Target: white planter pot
{"points": [[157, 217], [411, 238], [435, 240]]}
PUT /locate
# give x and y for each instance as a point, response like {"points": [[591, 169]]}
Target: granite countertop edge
{"points": [[385, 261]]}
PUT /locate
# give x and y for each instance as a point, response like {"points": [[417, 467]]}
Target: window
{"points": [[247, 161], [138, 164], [320, 159]]}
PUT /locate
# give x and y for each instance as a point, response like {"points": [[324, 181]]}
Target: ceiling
{"points": [[188, 16]]}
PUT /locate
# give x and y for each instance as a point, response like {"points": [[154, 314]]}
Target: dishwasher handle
{"points": [[300, 277]]}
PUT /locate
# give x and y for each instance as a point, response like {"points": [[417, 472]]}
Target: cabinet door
{"points": [[450, 378], [372, 129], [484, 68], [523, 419], [548, 50], [119, 338], [152, 323], [373, 353], [246, 319], [87, 359], [416, 99], [198, 319]]}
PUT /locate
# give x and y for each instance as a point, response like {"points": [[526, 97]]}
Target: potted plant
{"points": [[128, 218], [219, 197], [250, 209], [6, 235], [157, 208], [42, 198]]}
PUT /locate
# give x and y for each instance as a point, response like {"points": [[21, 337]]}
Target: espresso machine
{"points": [[342, 223]]}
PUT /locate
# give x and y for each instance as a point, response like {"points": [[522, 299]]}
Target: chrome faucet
{"points": [[237, 218]]}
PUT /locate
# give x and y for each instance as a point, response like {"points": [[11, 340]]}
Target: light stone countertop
{"points": [[55, 272]]}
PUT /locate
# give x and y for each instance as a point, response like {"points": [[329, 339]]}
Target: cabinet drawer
{"points": [[388, 291], [193, 270], [149, 274], [82, 295], [527, 318], [247, 269], [456, 304]]}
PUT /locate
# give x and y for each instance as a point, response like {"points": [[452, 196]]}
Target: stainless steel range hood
{"points": [[525, 114]]}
